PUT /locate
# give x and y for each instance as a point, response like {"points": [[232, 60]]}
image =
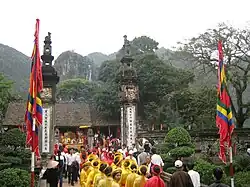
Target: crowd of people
{"points": [[120, 167]]}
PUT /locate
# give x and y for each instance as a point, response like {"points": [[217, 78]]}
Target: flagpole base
{"points": [[232, 182]]}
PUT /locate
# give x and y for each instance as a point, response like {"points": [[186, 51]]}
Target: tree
{"points": [[13, 152], [196, 107], [106, 101], [155, 80], [77, 89], [145, 44], [236, 58], [5, 96], [178, 136]]}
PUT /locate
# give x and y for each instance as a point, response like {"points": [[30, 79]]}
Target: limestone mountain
{"points": [[181, 60], [71, 65], [15, 66], [98, 58]]}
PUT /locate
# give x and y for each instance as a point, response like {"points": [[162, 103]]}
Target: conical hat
{"points": [[142, 166], [92, 157], [116, 171], [86, 164], [118, 159], [52, 164]]}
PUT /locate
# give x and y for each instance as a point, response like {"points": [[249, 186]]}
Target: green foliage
{"points": [[164, 148], [182, 151], [196, 107], [171, 170], [14, 177], [241, 163], [107, 102], [178, 136], [241, 179], [13, 152], [236, 59], [205, 170], [108, 71], [145, 44], [5, 96], [5, 166], [10, 159], [13, 137], [77, 89]]}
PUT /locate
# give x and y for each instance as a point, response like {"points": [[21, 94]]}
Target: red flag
{"points": [[224, 117], [34, 103]]}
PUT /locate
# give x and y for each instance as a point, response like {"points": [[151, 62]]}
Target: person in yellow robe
{"points": [[141, 180], [116, 175], [117, 161], [125, 171], [100, 175], [108, 180], [132, 176], [92, 157], [93, 172], [83, 174]]}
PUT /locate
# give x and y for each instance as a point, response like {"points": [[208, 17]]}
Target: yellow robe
{"points": [[115, 184], [130, 179], [125, 173], [91, 177], [89, 170], [107, 182], [83, 178], [98, 177], [140, 181]]}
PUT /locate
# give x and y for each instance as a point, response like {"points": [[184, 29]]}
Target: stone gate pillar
{"points": [[50, 79], [129, 96]]}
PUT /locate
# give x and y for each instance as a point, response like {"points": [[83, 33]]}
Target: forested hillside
{"points": [[176, 86], [15, 66]]}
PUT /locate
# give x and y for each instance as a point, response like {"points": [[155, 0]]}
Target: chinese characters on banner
{"points": [[46, 130], [131, 125]]}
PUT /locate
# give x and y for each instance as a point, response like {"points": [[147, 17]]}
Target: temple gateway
{"points": [[73, 122]]}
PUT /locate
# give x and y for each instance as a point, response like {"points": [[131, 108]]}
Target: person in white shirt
{"points": [[194, 175], [130, 156], [71, 157], [134, 148], [124, 150], [156, 159]]}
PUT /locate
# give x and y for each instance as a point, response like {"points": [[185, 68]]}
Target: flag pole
{"points": [[32, 168], [231, 163]]}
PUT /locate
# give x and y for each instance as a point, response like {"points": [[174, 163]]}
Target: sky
{"points": [[87, 26]]}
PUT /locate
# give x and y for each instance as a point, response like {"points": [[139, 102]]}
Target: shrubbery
{"points": [[178, 136], [182, 151], [14, 177], [13, 152], [205, 170]]}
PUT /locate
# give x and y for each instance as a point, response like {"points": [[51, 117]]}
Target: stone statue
{"points": [[47, 49], [126, 46]]}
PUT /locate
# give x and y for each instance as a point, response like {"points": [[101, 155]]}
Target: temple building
{"points": [[72, 122]]}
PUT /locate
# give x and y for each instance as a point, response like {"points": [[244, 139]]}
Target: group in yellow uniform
{"points": [[121, 173]]}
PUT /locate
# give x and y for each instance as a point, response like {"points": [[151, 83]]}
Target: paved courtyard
{"points": [[65, 184]]}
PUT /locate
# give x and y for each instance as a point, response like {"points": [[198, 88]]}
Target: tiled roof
{"points": [[67, 114]]}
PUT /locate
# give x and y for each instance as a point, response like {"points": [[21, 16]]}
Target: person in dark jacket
{"points": [[180, 178], [218, 173], [51, 174]]}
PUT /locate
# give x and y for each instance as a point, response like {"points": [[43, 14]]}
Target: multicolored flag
{"points": [[224, 117], [34, 103]]}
